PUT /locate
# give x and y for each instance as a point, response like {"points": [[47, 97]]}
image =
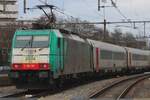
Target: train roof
{"points": [[32, 32], [38, 32], [71, 35], [138, 51], [57, 32], [101, 45], [106, 46]]}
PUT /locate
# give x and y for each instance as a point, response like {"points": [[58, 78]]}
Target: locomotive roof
{"points": [[38, 32], [32, 32]]}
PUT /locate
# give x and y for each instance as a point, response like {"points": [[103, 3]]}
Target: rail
{"points": [[100, 91]]}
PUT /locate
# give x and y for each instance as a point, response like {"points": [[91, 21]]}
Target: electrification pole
{"points": [[24, 6], [99, 7], [4, 6], [144, 29], [104, 29]]}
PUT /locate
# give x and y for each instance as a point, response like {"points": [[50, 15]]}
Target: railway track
{"points": [[42, 93], [25, 94], [35, 93], [126, 90], [15, 94], [4, 80], [130, 82]]}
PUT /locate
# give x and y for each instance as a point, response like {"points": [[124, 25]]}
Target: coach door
{"points": [[96, 59], [129, 59]]}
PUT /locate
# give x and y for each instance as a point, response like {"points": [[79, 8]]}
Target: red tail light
{"points": [[42, 66], [30, 66]]}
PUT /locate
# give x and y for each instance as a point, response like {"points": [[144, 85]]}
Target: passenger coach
{"points": [[108, 57]]}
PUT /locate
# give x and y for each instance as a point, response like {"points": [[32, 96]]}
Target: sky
{"points": [[87, 10]]}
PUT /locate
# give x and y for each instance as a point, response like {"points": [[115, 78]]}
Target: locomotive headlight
{"points": [[44, 66], [16, 66]]}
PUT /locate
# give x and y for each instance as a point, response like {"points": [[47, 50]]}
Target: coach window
{"points": [[118, 55], [134, 57], [106, 54], [139, 57], [23, 41], [145, 57]]}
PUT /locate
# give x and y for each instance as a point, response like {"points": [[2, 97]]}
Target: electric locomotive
{"points": [[30, 61]]}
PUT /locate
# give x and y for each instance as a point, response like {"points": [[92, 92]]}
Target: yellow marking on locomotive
{"points": [[30, 57]]}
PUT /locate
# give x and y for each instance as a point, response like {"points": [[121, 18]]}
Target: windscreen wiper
{"points": [[28, 43], [41, 49]]}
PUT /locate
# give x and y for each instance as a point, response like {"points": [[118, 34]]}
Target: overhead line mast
{"points": [[117, 22], [25, 4], [113, 5]]}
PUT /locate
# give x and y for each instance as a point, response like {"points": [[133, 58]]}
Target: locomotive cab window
{"points": [[32, 41], [23, 38], [40, 41], [23, 41]]}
